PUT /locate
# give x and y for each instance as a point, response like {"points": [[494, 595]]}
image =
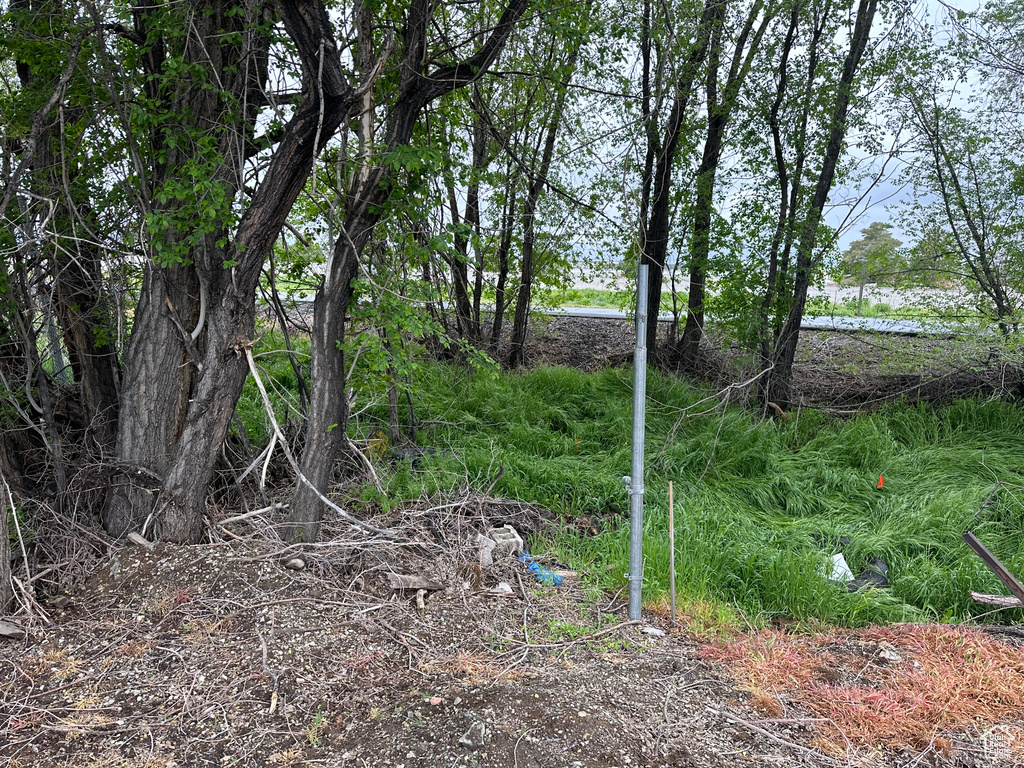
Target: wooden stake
{"points": [[671, 554]]}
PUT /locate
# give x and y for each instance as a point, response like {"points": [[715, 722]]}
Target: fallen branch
{"points": [[24, 555], [295, 465], [254, 513], [807, 752], [1000, 601], [993, 564]]}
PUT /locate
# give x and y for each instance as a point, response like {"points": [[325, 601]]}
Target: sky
{"points": [[883, 200]]}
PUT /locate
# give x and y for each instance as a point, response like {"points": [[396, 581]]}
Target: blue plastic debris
{"points": [[542, 574]]}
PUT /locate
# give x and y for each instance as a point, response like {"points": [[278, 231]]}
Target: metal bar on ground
{"points": [[636, 478], [671, 553], [995, 566]]}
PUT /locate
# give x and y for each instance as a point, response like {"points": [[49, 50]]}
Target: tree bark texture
{"points": [[180, 387]]}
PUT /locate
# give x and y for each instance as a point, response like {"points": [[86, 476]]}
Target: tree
{"points": [[721, 103], [661, 153], [993, 38], [205, 277], [208, 118], [779, 380], [537, 181], [179, 90], [932, 260], [875, 257], [424, 75], [968, 187]]}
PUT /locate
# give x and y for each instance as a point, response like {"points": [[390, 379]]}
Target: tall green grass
{"points": [[759, 505]]}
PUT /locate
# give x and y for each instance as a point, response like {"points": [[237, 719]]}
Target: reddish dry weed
{"points": [[902, 687]]}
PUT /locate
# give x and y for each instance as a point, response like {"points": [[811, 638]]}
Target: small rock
{"points": [[295, 564], [140, 541], [476, 737], [11, 631], [486, 547], [435, 700], [653, 631], [888, 653]]}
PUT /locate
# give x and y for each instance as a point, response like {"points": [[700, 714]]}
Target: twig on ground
{"points": [[369, 464], [254, 513], [807, 752], [26, 586], [276, 678]]}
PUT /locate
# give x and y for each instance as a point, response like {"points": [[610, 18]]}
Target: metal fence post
{"points": [[636, 478]]}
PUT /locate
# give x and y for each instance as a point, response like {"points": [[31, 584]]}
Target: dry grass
{"points": [[902, 687], [472, 668]]}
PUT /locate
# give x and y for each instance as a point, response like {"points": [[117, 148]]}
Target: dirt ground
{"points": [[833, 370], [245, 652], [221, 655]]}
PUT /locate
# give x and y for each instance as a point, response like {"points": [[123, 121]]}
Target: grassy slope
{"points": [[752, 497]]}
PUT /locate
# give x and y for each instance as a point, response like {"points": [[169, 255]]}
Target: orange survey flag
{"points": [[881, 482]]}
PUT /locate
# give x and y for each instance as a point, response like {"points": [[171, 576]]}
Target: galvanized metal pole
{"points": [[636, 479]]}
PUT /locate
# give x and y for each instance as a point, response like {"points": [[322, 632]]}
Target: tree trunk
{"points": [[467, 302], [654, 237], [201, 389], [520, 324], [688, 348], [719, 115], [329, 405], [508, 221], [328, 414], [76, 271], [73, 259], [791, 186], [458, 262], [154, 395], [781, 377]]}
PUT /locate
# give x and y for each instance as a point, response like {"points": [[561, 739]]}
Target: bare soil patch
{"points": [[222, 654], [833, 369], [231, 654]]}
